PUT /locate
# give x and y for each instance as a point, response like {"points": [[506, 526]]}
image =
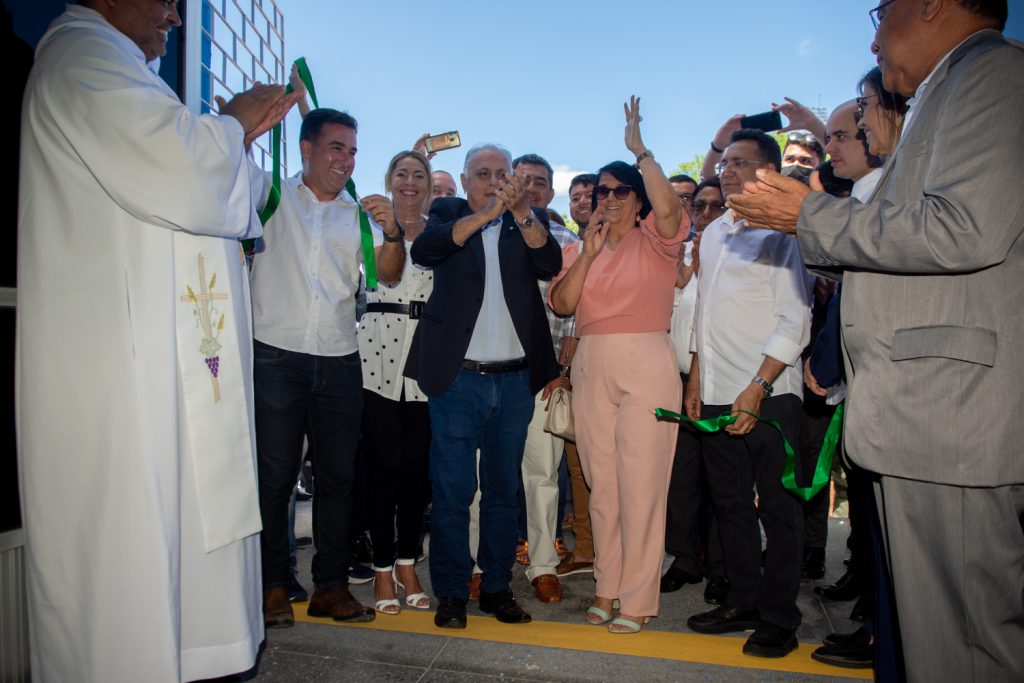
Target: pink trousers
{"points": [[618, 380]]}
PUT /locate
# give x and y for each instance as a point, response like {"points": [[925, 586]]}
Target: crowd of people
{"points": [[692, 295]]}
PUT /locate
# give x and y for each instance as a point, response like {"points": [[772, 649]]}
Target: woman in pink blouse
{"points": [[620, 286]]}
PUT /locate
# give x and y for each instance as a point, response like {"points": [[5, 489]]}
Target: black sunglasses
{"points": [[620, 192]]}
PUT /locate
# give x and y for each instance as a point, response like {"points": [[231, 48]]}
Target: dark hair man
{"points": [[307, 372], [580, 205], [752, 324], [542, 455], [684, 186]]}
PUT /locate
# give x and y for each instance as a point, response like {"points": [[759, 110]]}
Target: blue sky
{"points": [[550, 77]]}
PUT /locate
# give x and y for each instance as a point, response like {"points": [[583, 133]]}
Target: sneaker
{"points": [[359, 574]]}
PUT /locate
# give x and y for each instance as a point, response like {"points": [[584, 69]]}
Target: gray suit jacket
{"points": [[932, 315]]}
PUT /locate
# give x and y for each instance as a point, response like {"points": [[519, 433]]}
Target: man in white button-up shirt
{"points": [[307, 373], [753, 321]]}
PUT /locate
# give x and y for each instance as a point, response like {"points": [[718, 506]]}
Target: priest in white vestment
{"points": [[134, 372]]}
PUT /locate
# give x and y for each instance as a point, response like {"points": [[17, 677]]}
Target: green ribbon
{"points": [[825, 455], [274, 198]]}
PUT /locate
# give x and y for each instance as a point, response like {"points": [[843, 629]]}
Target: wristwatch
{"points": [[643, 155], [396, 238], [527, 222], [765, 385]]}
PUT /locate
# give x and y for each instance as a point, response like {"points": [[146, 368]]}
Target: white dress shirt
{"points": [[865, 187], [753, 300], [305, 278], [494, 335], [684, 307]]}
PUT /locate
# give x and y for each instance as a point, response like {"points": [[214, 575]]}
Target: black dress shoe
{"points": [[675, 578], [813, 567], [717, 590], [724, 619], [853, 651], [770, 640], [859, 611], [451, 613], [504, 607], [846, 588]]}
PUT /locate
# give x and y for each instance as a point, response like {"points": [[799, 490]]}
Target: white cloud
{"points": [[563, 176], [805, 48]]}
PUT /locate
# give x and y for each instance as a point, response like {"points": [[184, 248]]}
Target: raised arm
{"points": [[718, 145], [664, 202]]}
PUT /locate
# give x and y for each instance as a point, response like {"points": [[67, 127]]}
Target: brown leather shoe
{"points": [[474, 586], [338, 604], [548, 589], [569, 565], [277, 609]]}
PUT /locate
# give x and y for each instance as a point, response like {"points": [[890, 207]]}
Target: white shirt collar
{"points": [[863, 188]]}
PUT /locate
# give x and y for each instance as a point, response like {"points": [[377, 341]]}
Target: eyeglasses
{"points": [[685, 197], [877, 15], [862, 104], [620, 192], [736, 164], [701, 207]]}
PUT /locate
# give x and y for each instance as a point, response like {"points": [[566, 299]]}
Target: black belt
{"points": [[497, 366], [413, 309]]}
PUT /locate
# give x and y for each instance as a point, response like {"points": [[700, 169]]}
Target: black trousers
{"points": [[396, 442], [816, 417], [735, 465], [690, 521]]}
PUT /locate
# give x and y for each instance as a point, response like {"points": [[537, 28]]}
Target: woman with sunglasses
{"points": [[620, 285], [880, 113]]}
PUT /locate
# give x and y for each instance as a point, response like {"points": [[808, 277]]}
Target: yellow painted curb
{"points": [[683, 647]]}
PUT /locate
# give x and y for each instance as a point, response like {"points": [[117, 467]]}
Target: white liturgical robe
{"points": [[134, 391]]}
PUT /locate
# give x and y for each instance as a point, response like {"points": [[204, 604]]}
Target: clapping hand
{"points": [[512, 193], [258, 109], [772, 202], [597, 234]]}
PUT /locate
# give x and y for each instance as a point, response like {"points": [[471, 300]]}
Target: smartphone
{"points": [[768, 121], [435, 143]]}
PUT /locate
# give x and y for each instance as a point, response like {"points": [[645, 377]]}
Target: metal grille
{"points": [[14, 655], [242, 41]]}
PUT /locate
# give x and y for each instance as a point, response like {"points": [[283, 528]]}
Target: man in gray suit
{"points": [[933, 331]]}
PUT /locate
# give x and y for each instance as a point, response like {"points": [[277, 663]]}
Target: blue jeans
{"points": [[490, 412], [320, 397]]}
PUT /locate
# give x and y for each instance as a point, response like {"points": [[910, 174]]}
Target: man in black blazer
{"points": [[481, 351]]}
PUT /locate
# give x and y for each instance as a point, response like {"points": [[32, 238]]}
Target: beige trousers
{"points": [[618, 380]]}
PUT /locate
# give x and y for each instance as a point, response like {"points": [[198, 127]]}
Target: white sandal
{"points": [[414, 600], [388, 606]]}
